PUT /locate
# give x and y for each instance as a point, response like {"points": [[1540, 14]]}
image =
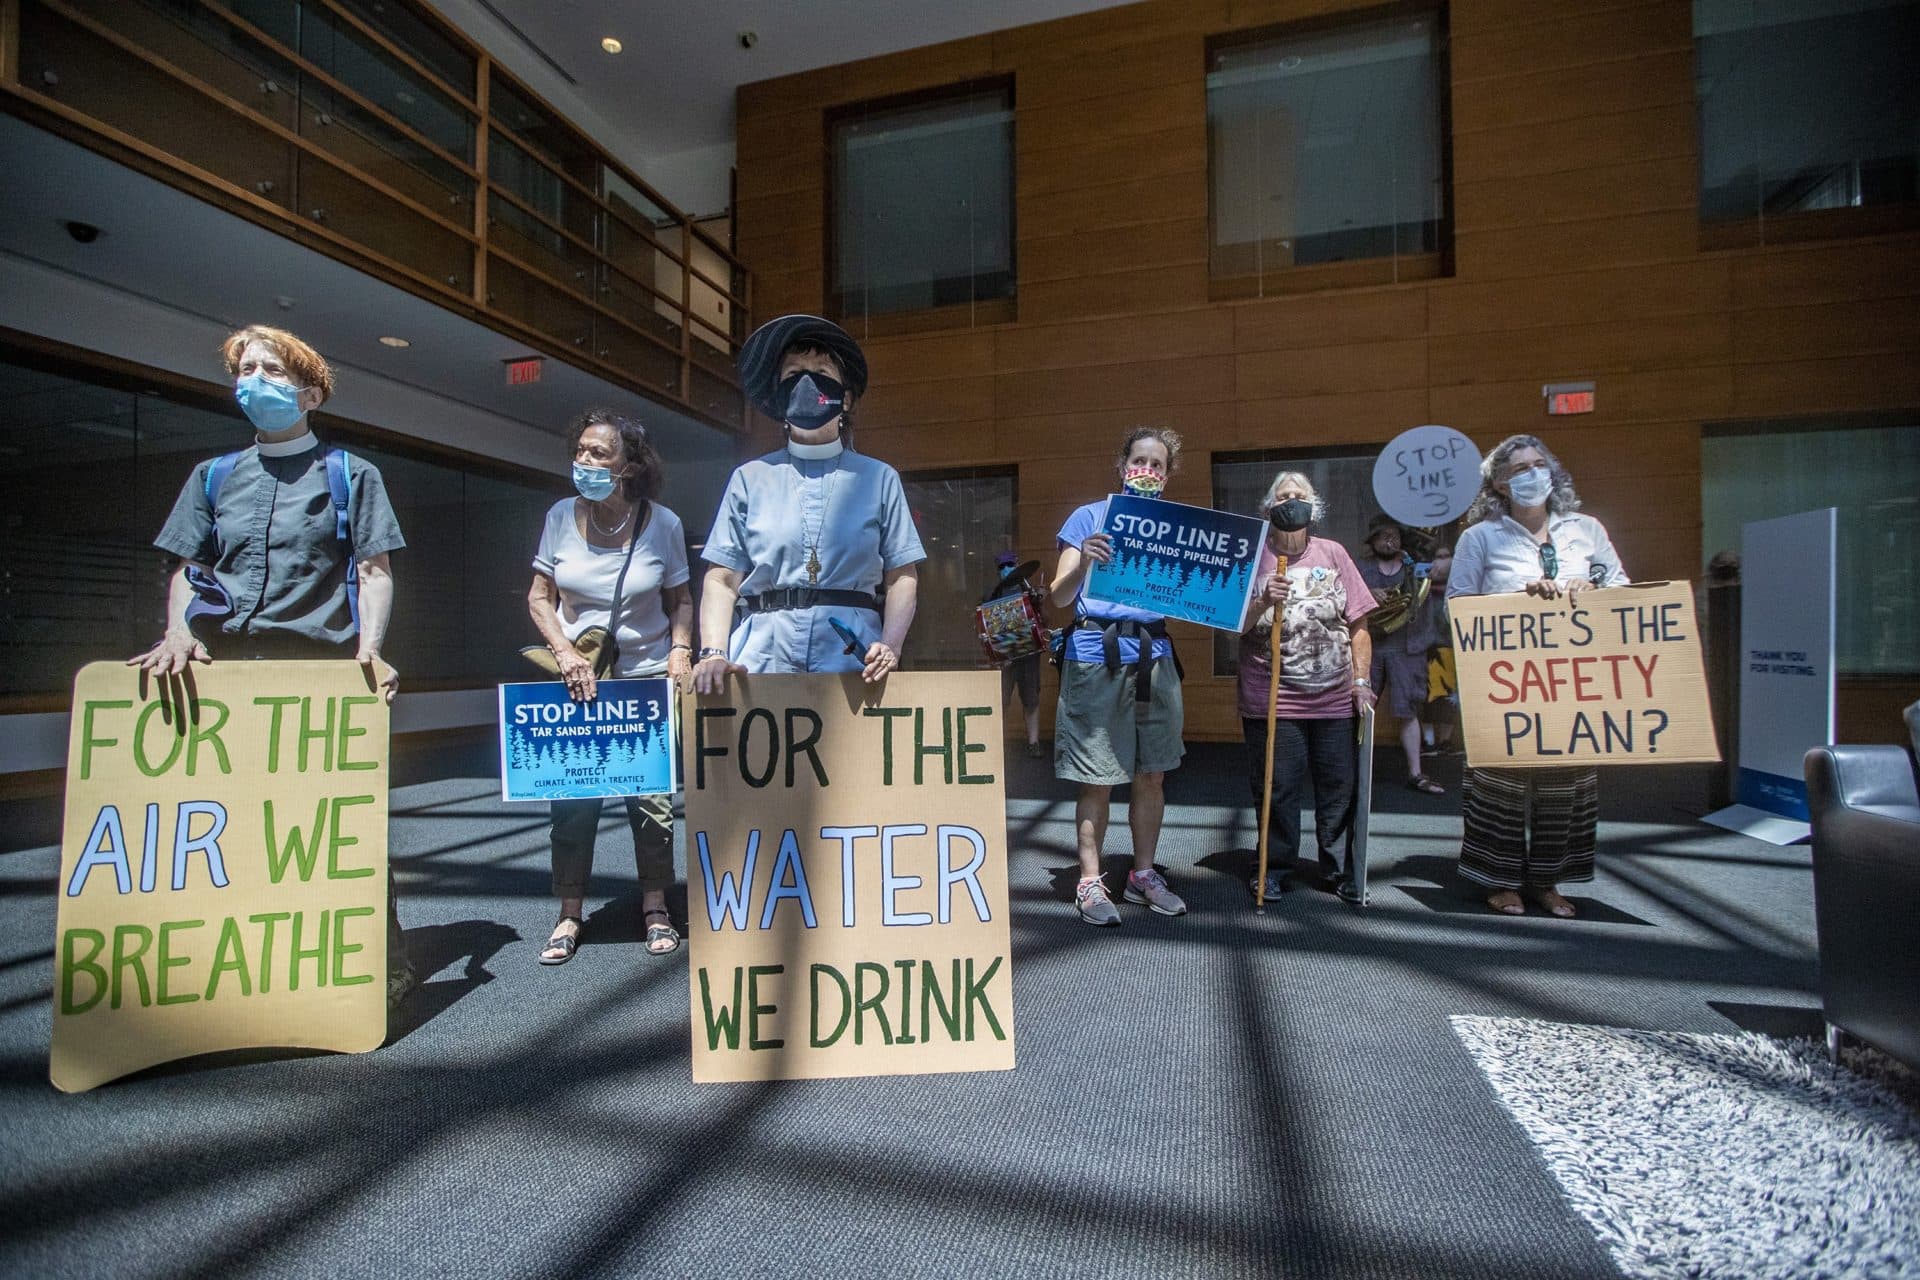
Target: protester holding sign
{"points": [[1529, 830], [813, 541], [1403, 628], [612, 559], [283, 545], [1318, 601], [1120, 715]]}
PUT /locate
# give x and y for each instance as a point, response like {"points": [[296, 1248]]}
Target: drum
{"points": [[1010, 628]]}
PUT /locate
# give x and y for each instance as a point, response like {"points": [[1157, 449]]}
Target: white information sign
{"points": [[1786, 670]]}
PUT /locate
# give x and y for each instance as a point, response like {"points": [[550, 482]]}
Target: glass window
{"points": [[1326, 144], [965, 520], [1806, 105], [923, 203], [1343, 481], [83, 581], [1872, 475]]}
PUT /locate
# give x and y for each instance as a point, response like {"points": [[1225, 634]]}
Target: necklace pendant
{"points": [[813, 567]]}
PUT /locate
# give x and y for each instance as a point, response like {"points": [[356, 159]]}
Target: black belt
{"points": [[1142, 633], [808, 597]]}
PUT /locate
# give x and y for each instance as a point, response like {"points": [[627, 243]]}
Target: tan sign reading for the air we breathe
{"points": [[847, 877], [1604, 677], [223, 866]]}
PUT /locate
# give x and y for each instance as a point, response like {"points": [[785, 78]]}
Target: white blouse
{"points": [[1499, 555]]}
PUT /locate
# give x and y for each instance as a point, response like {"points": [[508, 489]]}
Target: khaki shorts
{"points": [[1101, 735]]}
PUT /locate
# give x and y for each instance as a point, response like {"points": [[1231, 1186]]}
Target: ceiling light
{"points": [[395, 342], [610, 44]]}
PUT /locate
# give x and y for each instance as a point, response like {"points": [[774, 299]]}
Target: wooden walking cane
{"points": [[1266, 779]]}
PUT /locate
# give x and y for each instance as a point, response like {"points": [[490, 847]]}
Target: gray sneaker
{"points": [[1090, 898], [1150, 887]]}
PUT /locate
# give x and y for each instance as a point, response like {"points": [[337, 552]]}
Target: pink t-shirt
{"points": [[1316, 654]]}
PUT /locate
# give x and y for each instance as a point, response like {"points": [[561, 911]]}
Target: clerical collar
{"points": [[816, 452], [287, 448]]}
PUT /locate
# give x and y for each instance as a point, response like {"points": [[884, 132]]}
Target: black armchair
{"points": [[1866, 893]]}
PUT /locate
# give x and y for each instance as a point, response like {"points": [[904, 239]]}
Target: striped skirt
{"points": [[1529, 828]]}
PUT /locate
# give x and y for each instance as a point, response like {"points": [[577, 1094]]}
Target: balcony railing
{"points": [[378, 133]]}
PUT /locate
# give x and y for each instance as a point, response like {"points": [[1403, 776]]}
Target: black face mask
{"points": [[812, 399], [1291, 516]]}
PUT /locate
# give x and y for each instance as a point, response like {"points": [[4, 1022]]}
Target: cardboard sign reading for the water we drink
{"points": [[847, 877], [223, 866], [1606, 677]]}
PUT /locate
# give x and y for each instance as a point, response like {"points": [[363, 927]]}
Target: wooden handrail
{"points": [[591, 303], [640, 298], [366, 104], [272, 126], [358, 24]]}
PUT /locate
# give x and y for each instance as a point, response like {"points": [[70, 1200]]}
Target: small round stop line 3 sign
{"points": [[1427, 476]]}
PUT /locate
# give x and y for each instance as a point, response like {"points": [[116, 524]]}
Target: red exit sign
{"points": [[1568, 397], [522, 372]]}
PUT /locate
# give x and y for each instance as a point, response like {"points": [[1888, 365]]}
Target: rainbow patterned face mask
{"points": [[1143, 482]]}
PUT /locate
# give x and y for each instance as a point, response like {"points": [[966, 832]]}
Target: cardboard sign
{"points": [[619, 744], [1608, 677], [1181, 562], [223, 866], [847, 877], [1427, 476]]}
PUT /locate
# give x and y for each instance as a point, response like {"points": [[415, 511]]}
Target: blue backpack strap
{"points": [[340, 485], [216, 479]]}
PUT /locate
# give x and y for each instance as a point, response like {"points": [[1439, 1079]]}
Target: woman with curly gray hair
{"points": [[1529, 830]]}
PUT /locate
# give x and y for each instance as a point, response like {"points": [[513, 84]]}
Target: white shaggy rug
{"points": [[1717, 1155]]}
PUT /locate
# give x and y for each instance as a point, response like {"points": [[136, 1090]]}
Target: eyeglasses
{"points": [[1549, 560]]}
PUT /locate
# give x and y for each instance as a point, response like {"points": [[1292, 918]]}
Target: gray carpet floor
{"points": [[1215, 1095]]}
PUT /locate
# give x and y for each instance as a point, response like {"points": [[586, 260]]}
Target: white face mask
{"points": [[1530, 488]]}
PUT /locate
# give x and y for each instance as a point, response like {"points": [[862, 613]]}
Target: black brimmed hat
{"points": [[759, 358]]}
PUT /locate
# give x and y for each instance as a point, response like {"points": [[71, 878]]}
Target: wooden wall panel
{"points": [[1179, 242], [1118, 294], [1645, 133], [1526, 302], [1321, 371], [1199, 332], [1161, 156], [1642, 186], [1316, 320], [1576, 254], [1578, 35], [1530, 97], [1310, 422]]}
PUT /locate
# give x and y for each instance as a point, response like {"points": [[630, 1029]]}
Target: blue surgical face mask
{"points": [[1530, 488], [594, 483], [270, 406]]}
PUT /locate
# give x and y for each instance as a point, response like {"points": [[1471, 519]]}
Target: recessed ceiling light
{"points": [[610, 44], [394, 342]]}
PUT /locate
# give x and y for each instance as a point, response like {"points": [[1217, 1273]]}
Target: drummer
{"points": [[812, 534], [1403, 629]]}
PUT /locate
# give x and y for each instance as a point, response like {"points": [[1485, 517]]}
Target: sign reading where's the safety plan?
{"points": [[1603, 677], [223, 866], [847, 877]]}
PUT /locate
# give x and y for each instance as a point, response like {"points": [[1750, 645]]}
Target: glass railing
{"points": [[375, 131]]}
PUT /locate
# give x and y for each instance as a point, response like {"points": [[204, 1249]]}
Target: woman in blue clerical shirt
{"points": [[812, 534]]}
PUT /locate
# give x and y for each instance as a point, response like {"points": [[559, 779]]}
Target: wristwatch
{"points": [[1363, 682], [710, 652]]}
